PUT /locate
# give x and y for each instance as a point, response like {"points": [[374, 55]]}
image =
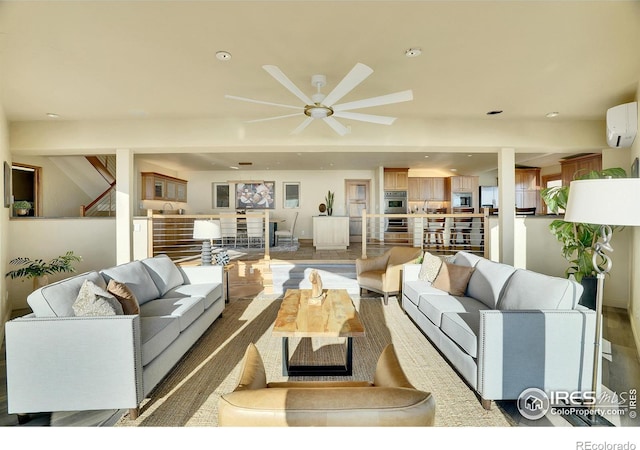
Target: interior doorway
{"points": [[357, 201], [25, 185]]}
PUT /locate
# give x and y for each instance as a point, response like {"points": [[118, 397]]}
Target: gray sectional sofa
{"points": [[58, 361], [510, 330]]}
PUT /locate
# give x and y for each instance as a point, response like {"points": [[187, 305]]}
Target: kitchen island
{"points": [[330, 232]]}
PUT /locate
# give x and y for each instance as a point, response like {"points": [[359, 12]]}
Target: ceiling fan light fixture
{"points": [[318, 111]]}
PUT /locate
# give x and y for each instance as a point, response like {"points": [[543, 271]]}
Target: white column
{"points": [[124, 205], [507, 204]]}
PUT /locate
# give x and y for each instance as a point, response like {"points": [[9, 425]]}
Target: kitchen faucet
{"points": [[170, 207]]}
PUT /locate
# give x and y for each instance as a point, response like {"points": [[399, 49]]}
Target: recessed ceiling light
{"points": [[426, 156], [454, 170], [553, 114], [494, 112], [223, 56], [234, 167], [53, 116], [413, 52], [245, 163]]}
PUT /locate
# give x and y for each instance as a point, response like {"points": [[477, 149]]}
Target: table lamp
{"points": [[607, 202], [206, 231]]}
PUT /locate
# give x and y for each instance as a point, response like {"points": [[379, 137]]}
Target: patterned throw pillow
{"points": [[430, 267], [123, 294], [92, 300]]}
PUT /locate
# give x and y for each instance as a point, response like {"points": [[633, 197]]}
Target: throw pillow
{"points": [[92, 300], [123, 294], [430, 267], [453, 278]]}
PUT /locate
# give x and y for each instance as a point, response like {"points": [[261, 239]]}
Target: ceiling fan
{"points": [[321, 106]]}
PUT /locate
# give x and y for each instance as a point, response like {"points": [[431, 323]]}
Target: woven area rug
{"points": [[189, 395]]}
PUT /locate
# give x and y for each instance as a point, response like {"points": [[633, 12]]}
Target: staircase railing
{"points": [[103, 205]]}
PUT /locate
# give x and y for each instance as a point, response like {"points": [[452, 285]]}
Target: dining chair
{"points": [[255, 229], [229, 228], [287, 234], [526, 211]]}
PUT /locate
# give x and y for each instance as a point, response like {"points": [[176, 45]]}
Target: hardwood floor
{"points": [[620, 366]]}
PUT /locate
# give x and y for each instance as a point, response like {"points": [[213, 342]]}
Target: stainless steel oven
{"points": [[395, 202]]}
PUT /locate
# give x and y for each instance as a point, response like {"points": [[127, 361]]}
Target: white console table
{"points": [[330, 232]]}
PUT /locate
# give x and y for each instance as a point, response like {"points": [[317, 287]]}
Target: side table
{"points": [[227, 269]]}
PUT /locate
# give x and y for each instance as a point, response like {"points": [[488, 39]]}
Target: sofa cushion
{"points": [[488, 280], [211, 292], [531, 290], [56, 299], [372, 279], [124, 295], [135, 276], [466, 259], [92, 300], [164, 273], [186, 309], [433, 306], [463, 329], [453, 278], [157, 333], [413, 289]]}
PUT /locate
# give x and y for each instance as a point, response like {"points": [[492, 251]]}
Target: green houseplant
{"points": [[577, 239], [39, 270], [329, 201], [22, 207]]}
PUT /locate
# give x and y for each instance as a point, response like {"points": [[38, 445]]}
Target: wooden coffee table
{"points": [[335, 317]]}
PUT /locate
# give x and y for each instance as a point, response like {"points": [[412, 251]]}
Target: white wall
{"points": [[94, 239], [5, 307], [313, 189]]}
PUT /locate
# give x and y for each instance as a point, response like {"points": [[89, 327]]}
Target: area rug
{"points": [[188, 397]]}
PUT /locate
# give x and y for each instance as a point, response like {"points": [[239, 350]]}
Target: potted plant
{"points": [[577, 239], [22, 207], [40, 270], [329, 202]]}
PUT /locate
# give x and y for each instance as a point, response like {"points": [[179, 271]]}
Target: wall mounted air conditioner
{"points": [[622, 125]]}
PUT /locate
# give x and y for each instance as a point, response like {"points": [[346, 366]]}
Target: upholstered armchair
{"points": [[381, 274]]}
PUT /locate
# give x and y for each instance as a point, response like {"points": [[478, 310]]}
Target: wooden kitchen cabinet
{"points": [[396, 179], [464, 184], [156, 186], [427, 188], [580, 165], [528, 188]]}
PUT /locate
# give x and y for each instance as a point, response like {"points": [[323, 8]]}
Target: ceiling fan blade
{"points": [[250, 100], [287, 83], [382, 120], [303, 125], [356, 76], [397, 97], [273, 118], [337, 126]]}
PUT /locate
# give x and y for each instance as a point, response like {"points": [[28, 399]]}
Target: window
{"points": [[291, 195], [221, 196]]}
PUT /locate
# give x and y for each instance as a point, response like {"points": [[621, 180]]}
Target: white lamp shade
{"points": [[607, 201], [206, 229]]}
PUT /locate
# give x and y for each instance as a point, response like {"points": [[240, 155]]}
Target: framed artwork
{"points": [[7, 185], [221, 196], [634, 169], [255, 195], [291, 195]]}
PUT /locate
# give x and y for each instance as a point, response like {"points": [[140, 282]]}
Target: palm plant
{"points": [[33, 268], [577, 239]]}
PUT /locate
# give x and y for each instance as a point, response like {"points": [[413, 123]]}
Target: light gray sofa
{"points": [[511, 330], [57, 361]]}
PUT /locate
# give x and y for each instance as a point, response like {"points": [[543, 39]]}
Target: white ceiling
{"points": [[155, 60]]}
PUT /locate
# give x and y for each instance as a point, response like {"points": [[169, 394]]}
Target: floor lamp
{"points": [[206, 231], [607, 202]]}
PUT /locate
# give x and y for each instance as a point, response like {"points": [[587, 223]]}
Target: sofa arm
{"points": [[375, 263], [73, 363], [410, 272], [201, 274], [547, 349]]}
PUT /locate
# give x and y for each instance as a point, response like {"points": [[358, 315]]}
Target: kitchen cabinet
{"points": [[156, 186], [580, 165], [427, 188], [396, 179], [528, 188], [330, 232], [464, 184]]}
